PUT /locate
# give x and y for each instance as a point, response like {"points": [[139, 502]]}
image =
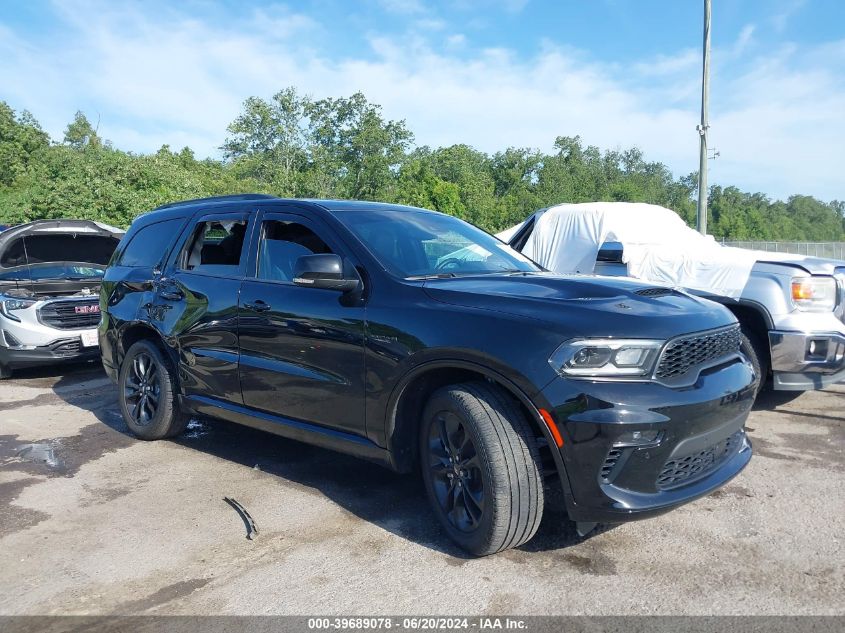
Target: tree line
{"points": [[295, 146]]}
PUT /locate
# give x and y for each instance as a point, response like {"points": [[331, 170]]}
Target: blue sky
{"points": [[491, 74]]}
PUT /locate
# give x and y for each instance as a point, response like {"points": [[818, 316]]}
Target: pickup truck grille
{"points": [[682, 355], [70, 315]]}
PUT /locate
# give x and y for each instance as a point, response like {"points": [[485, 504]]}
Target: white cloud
{"points": [[685, 62], [745, 39], [780, 18], [172, 78]]}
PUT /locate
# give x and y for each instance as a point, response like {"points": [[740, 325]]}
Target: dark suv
{"points": [[416, 340]]}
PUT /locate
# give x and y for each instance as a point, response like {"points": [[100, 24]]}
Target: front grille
{"points": [[655, 292], [66, 347], [609, 464], [683, 354], [687, 469], [63, 315]]}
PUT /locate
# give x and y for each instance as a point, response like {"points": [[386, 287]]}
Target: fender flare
{"points": [[514, 389]]}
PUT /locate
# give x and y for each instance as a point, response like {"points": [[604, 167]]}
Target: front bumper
{"points": [[637, 450], [806, 360], [66, 349], [28, 342]]}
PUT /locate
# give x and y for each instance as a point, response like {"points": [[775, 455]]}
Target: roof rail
{"points": [[233, 197]]}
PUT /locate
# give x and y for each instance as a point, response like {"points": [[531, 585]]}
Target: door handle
{"points": [[257, 306], [167, 290], [173, 294]]}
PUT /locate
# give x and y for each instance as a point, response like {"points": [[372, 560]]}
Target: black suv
{"points": [[416, 340]]}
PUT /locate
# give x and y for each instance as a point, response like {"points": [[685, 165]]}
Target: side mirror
{"points": [[323, 271], [610, 252]]}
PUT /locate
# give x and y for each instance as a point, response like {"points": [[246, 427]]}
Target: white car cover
{"points": [[658, 246]]}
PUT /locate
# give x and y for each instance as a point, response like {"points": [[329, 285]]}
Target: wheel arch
{"points": [[758, 321], [136, 331], [408, 398]]}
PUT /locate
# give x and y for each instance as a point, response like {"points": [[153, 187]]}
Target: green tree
{"points": [[80, 134], [269, 141], [21, 142], [355, 145], [344, 147]]}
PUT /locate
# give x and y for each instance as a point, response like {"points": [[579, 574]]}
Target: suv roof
{"points": [[229, 198], [172, 209]]}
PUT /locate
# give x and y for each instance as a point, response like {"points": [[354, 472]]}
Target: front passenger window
{"points": [[282, 243]]}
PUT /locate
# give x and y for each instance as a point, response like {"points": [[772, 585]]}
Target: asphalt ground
{"points": [[94, 521]]}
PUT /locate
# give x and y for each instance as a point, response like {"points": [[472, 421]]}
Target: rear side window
{"points": [[215, 248], [148, 246]]}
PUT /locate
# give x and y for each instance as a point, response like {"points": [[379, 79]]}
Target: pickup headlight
{"points": [[606, 358], [814, 294], [9, 306]]}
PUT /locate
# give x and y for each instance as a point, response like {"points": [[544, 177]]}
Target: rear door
{"points": [[301, 349], [197, 302]]}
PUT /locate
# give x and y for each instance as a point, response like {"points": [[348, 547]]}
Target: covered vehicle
{"points": [[50, 273], [790, 307]]}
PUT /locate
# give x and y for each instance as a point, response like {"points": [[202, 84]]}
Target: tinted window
{"points": [[421, 243], [147, 248], [215, 247], [282, 243]]}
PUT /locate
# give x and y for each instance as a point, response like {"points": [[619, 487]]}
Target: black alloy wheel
{"points": [[142, 389], [456, 472], [481, 466], [148, 393]]}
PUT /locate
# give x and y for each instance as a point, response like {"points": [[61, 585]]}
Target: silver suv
{"points": [[50, 272]]}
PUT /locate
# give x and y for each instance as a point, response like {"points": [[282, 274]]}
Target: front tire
{"points": [[5, 372], [148, 393], [752, 347], [481, 467]]}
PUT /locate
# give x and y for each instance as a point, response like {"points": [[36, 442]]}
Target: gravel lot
{"points": [[106, 524]]}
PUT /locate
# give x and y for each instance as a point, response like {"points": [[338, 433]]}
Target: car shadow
{"points": [[48, 375], [394, 502], [770, 399]]}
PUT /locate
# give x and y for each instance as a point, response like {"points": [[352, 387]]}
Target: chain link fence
{"points": [[828, 250]]}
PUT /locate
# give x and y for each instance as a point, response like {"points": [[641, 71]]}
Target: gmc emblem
{"points": [[86, 309]]}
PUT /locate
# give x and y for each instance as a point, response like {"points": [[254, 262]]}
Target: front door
{"points": [[301, 349]]}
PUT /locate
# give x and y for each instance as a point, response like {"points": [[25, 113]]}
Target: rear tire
{"points": [[753, 348], [148, 393], [5, 372], [481, 467]]}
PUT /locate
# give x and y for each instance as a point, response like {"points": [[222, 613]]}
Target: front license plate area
{"points": [[89, 339]]}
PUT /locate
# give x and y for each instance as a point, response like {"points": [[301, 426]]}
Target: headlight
{"points": [[9, 306], [814, 294], [588, 358]]}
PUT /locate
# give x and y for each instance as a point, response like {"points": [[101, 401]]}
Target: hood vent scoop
{"points": [[655, 292]]}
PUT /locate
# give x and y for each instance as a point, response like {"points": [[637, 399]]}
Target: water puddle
{"points": [[40, 454], [196, 429]]}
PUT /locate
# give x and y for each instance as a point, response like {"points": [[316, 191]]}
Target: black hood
{"points": [[588, 305]]}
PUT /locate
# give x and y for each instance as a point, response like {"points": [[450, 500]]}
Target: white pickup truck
{"points": [[791, 308]]}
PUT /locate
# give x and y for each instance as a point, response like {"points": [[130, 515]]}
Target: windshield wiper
{"points": [[431, 276]]}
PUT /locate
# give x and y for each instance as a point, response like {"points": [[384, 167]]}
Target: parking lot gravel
{"points": [[94, 521]]}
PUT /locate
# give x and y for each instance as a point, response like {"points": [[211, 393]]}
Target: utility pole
{"points": [[703, 127]]}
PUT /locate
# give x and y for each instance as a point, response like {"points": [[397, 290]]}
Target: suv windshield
{"points": [[52, 270], [424, 243]]}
